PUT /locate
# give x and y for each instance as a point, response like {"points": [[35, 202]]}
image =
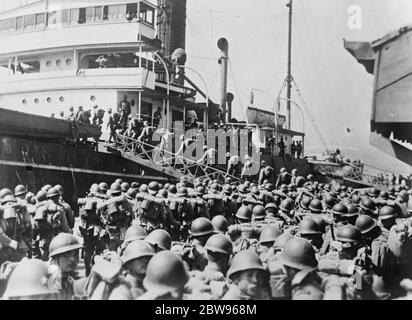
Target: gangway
{"points": [[166, 162]]}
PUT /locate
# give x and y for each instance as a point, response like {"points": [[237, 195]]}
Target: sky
{"points": [[336, 89]]}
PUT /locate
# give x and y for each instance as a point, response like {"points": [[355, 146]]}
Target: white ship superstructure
{"points": [[56, 54]]}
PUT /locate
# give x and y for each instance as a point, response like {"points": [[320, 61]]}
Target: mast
{"points": [[289, 75]]}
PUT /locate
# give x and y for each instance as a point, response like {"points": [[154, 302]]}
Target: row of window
{"points": [[49, 100], [78, 16], [59, 62]]}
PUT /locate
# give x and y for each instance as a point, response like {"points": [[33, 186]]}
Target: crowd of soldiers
{"points": [[293, 239]]}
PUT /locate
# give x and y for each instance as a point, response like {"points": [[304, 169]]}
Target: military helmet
{"points": [[119, 181], [254, 190], [271, 205], [269, 233], [4, 192], [320, 222], [215, 187], [160, 238], [137, 249], [368, 205], [372, 192], [63, 242], [115, 189], [386, 212], [134, 185], [143, 188], [182, 192], [300, 181], [227, 189], [286, 205], [245, 260], [220, 244], [339, 209], [163, 193], [242, 188], [103, 187], [244, 213], [20, 190], [363, 193], [172, 189], [228, 180], [125, 186], [365, 223], [305, 202], [355, 199], [391, 191], [153, 187], [200, 191], [59, 187], [329, 201], [134, 232], [94, 189], [201, 226], [308, 226], [349, 233], [41, 195], [8, 198], [269, 187], [353, 210], [131, 193], [258, 212], [298, 253], [53, 193], [316, 206], [165, 273], [384, 195], [166, 186], [29, 278], [283, 188], [283, 169], [220, 224]]}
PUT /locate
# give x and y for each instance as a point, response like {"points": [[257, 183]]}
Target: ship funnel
{"points": [[223, 45]]}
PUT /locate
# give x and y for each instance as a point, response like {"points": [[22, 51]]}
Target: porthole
{"points": [[92, 98], [49, 99], [68, 61], [36, 100], [48, 63], [24, 101], [58, 62], [61, 99]]}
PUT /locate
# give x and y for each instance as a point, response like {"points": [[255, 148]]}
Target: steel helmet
{"points": [[391, 191], [329, 201], [200, 191], [283, 188], [8, 198], [339, 209], [299, 254], [365, 223], [368, 205], [182, 192], [215, 187], [103, 187], [227, 189], [349, 233], [244, 213], [220, 244], [137, 249], [201, 226], [119, 181], [53, 193], [160, 238], [353, 210], [94, 189], [125, 186], [316, 206], [153, 187], [308, 226], [163, 193], [343, 195], [283, 169], [281, 241], [386, 212], [320, 222], [356, 199], [134, 185], [41, 195], [305, 202], [286, 205], [245, 260], [46, 187], [143, 188], [166, 186], [115, 189], [59, 187], [384, 195], [269, 233], [271, 205], [292, 187], [228, 180], [29, 278], [363, 193], [172, 189], [4, 192], [63, 242], [254, 190], [258, 212], [165, 273], [20, 190], [134, 232], [220, 224], [131, 193], [242, 188], [373, 192], [269, 187]]}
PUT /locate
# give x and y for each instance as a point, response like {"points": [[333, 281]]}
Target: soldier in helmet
{"points": [[220, 224], [300, 264], [30, 279], [166, 277], [69, 215], [339, 211], [212, 279], [308, 229], [160, 240], [249, 278], [64, 255], [267, 240], [368, 207], [134, 232]]}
